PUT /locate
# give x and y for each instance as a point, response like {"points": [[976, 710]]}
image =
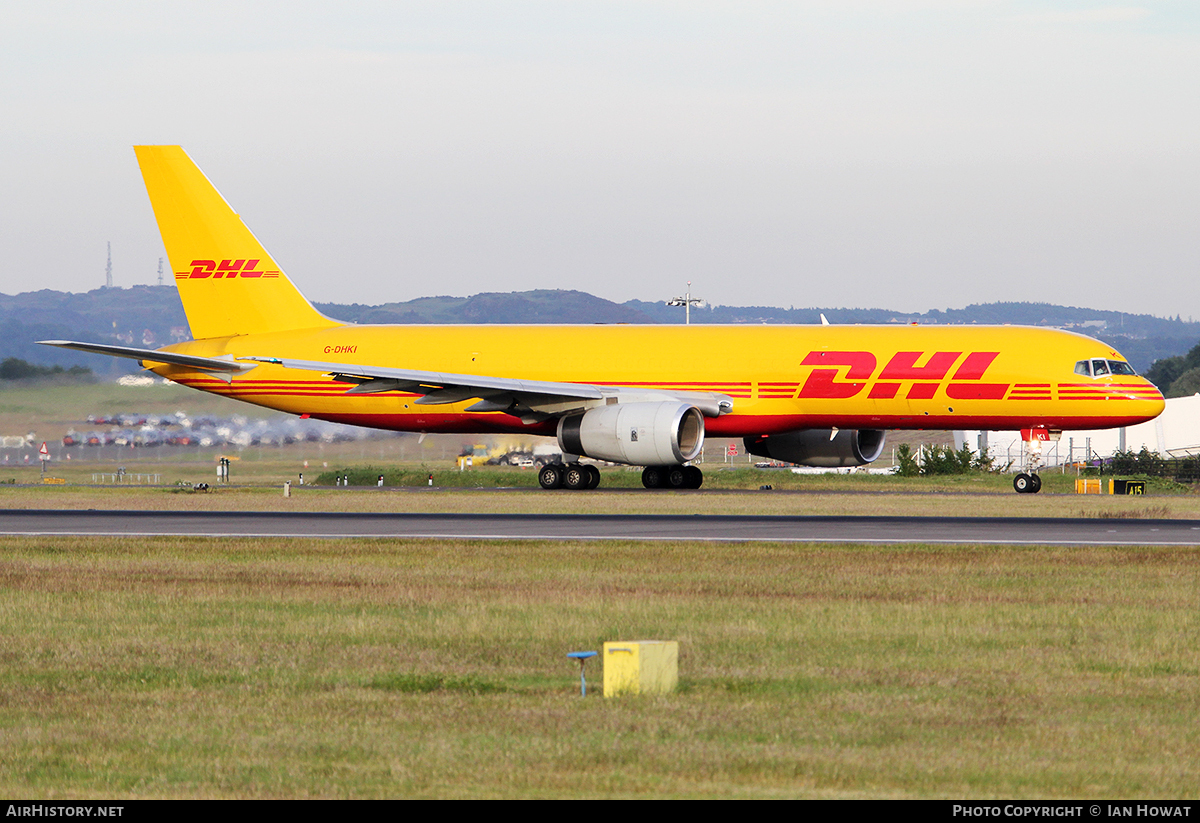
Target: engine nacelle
{"points": [[640, 434], [816, 447]]}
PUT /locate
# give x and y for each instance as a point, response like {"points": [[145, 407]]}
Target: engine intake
{"points": [[820, 447], [640, 434]]}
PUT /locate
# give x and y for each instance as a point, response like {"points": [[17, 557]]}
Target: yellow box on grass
{"points": [[641, 667]]}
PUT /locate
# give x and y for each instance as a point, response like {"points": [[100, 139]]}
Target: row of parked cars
{"points": [[180, 429]]}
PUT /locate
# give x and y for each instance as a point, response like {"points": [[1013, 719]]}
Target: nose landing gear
{"points": [[1027, 483]]}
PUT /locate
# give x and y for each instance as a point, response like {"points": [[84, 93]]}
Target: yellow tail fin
{"points": [[228, 283]]}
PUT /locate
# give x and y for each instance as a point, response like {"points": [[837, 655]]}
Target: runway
{"points": [[775, 528]]}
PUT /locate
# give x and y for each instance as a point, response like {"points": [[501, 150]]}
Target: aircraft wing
{"points": [[531, 400], [225, 365]]}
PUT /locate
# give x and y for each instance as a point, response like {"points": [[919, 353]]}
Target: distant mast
{"points": [[108, 268], [160, 282], [687, 301]]}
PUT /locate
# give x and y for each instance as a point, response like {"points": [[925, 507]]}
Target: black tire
{"points": [[1023, 483], [693, 477], [653, 477], [676, 477], [551, 476], [1036, 480], [593, 477], [575, 477]]}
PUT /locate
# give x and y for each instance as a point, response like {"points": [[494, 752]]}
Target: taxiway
{"points": [[798, 529]]}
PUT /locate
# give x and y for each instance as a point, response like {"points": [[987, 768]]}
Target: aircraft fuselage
{"points": [[780, 378]]}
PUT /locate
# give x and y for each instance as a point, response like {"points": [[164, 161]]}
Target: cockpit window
{"points": [[1103, 368]]}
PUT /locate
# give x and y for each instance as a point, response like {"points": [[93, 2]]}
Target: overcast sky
{"points": [[895, 153]]}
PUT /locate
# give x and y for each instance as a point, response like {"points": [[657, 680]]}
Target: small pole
{"points": [[583, 658]]}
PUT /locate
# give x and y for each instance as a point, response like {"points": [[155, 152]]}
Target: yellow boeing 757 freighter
{"points": [[638, 395]]}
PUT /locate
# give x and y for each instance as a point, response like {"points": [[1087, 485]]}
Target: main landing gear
{"points": [[576, 476], [573, 476], [672, 477], [1027, 483]]}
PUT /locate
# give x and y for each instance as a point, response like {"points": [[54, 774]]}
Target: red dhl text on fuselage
{"points": [[781, 378]]}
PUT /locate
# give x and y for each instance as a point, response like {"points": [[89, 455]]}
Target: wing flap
{"points": [[429, 382], [536, 399]]}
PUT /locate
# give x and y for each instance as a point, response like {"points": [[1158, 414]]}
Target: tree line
{"points": [[1177, 376], [13, 368]]}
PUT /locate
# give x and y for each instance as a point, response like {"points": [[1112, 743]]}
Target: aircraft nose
{"points": [[1149, 400], [1157, 406]]}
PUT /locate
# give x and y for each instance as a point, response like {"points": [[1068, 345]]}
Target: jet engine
{"points": [[820, 447], [640, 434]]}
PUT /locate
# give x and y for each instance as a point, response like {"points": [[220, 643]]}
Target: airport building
{"points": [[1174, 433]]}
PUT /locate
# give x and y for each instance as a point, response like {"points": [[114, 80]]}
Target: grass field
{"points": [[297, 668]]}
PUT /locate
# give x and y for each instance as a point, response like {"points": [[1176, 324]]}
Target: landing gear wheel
{"points": [[693, 478], [593, 477], [1023, 483], [551, 476], [1036, 480], [676, 477], [575, 477], [653, 477]]}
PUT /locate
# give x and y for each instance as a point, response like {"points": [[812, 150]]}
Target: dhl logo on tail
{"points": [[226, 268]]}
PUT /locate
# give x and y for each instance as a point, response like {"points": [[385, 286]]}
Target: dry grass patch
{"points": [[1140, 512], [902, 500]]}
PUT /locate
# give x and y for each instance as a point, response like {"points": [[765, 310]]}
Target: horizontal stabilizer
{"points": [[216, 364]]}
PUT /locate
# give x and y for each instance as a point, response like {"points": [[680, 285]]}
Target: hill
{"points": [[152, 316], [538, 306], [149, 316]]}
